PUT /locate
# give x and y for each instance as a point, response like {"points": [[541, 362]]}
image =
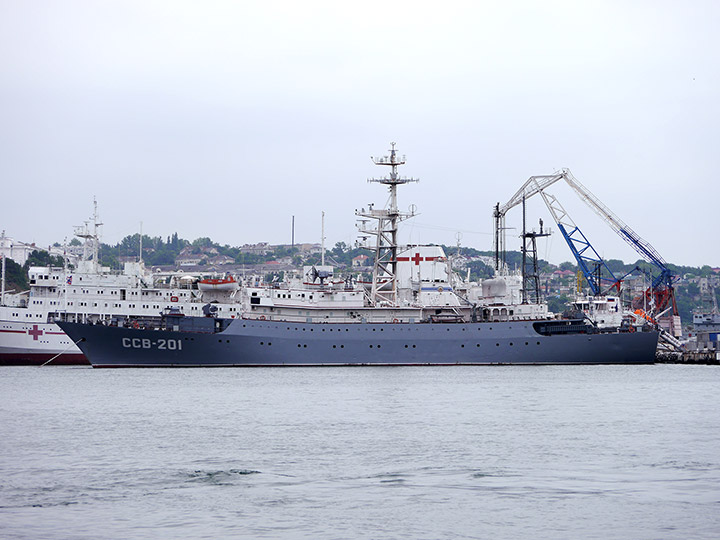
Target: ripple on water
{"points": [[220, 477]]}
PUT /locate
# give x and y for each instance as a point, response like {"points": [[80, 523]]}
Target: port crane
{"points": [[659, 294]]}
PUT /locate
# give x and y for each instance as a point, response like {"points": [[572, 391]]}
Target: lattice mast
{"points": [[383, 225], [92, 237]]}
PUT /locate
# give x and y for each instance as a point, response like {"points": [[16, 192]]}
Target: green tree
{"points": [[480, 270], [313, 259], [248, 258], [42, 258], [558, 303], [15, 276], [693, 289], [203, 241], [228, 251], [339, 249]]}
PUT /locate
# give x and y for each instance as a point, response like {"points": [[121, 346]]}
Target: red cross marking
{"points": [[416, 259], [35, 332]]}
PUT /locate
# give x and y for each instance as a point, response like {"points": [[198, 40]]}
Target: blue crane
{"points": [[661, 291]]}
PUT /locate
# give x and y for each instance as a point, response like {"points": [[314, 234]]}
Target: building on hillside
{"points": [[275, 266], [563, 274], [285, 261], [309, 248], [221, 260], [194, 255], [17, 251], [261, 248], [190, 260], [360, 261]]}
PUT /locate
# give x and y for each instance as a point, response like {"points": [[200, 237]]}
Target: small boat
{"points": [[226, 283]]}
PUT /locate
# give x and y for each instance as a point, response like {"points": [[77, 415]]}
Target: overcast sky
{"points": [[225, 119]]}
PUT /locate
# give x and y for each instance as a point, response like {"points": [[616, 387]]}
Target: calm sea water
{"points": [[457, 452]]}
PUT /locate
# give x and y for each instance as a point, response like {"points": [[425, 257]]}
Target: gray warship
{"points": [[412, 312]]}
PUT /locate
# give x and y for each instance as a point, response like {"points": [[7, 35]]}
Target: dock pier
{"points": [[706, 357]]}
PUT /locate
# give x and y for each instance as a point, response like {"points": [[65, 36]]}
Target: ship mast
{"points": [[2, 291], [65, 277], [322, 240], [92, 239], [385, 228]]}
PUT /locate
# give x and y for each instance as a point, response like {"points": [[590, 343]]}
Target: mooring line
{"points": [[62, 352]]}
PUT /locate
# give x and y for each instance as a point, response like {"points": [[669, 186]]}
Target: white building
{"points": [[17, 251]]}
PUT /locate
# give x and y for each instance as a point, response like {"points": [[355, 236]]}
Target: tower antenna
{"points": [[384, 282]]}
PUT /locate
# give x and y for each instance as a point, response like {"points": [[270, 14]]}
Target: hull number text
{"points": [[160, 344]]}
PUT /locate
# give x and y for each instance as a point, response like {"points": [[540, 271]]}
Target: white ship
{"points": [[92, 293]]}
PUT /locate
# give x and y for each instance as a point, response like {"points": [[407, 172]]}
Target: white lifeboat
{"points": [[227, 283]]}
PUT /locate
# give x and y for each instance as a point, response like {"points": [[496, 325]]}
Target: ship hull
{"points": [[28, 344], [254, 343]]}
